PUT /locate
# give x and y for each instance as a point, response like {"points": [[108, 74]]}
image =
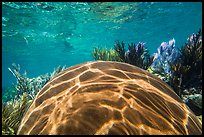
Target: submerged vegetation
{"points": [[136, 54], [25, 84], [105, 54], [120, 50], [14, 106], [12, 113], [187, 71]]}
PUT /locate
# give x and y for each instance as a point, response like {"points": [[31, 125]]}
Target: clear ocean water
{"points": [[40, 36]]}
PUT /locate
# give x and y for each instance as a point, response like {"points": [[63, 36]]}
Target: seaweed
{"points": [[187, 70], [56, 71], [105, 54], [25, 84], [12, 113], [139, 56], [30, 85], [136, 55], [13, 108], [120, 49]]}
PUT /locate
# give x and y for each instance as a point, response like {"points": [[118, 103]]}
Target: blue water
{"points": [[41, 36]]}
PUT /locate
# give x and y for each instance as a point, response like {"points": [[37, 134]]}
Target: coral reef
{"points": [[13, 108]]}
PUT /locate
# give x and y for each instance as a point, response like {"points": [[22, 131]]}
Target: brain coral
{"points": [[106, 97]]}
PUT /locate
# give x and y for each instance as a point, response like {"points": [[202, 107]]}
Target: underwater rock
{"points": [[197, 100], [105, 97], [193, 98], [197, 110]]}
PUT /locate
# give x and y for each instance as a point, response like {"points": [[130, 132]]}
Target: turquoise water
{"points": [[41, 36]]}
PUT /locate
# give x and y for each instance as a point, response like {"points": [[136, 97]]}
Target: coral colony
{"points": [[116, 99], [166, 55], [179, 68]]}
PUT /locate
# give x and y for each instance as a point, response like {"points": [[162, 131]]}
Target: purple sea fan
{"points": [[166, 48], [166, 54]]}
